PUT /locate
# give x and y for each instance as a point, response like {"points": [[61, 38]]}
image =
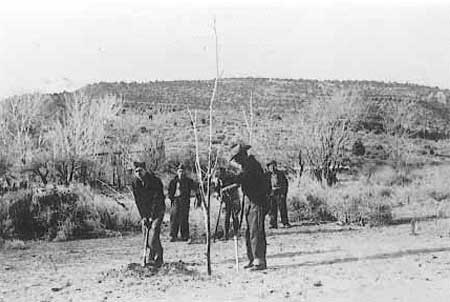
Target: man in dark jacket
{"points": [[149, 197], [180, 188], [278, 195], [254, 186]]}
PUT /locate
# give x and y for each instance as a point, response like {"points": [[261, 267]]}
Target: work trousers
{"points": [[154, 241], [231, 212], [179, 218], [278, 203], [255, 234]]}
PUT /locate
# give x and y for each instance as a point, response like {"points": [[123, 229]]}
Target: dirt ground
{"points": [[305, 263]]}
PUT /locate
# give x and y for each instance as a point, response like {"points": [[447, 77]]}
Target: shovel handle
{"points": [[144, 256]]}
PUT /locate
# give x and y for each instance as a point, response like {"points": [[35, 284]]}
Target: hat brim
{"points": [[234, 157], [240, 153], [241, 149], [272, 163], [139, 164]]}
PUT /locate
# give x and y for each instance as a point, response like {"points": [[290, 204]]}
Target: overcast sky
{"points": [[54, 45]]}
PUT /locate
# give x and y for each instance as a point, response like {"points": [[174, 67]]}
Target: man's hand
{"points": [[146, 222]]}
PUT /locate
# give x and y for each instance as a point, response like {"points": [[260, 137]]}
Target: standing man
{"points": [[180, 188], [149, 198], [278, 195], [228, 194], [254, 186]]}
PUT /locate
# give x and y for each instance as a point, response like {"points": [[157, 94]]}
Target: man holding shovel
{"points": [[149, 197], [255, 187]]}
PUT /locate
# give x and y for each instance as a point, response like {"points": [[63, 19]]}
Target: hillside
{"points": [[277, 104], [276, 94], [272, 97]]}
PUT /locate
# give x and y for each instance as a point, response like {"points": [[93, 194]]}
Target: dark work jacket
{"points": [[186, 186], [148, 195], [281, 180], [253, 181]]}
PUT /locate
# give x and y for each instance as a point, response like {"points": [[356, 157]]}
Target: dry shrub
{"points": [[359, 203], [355, 203], [325, 131], [358, 148], [14, 245], [308, 200], [52, 210], [380, 213], [438, 184], [15, 215], [63, 213], [387, 176], [443, 210], [112, 215]]}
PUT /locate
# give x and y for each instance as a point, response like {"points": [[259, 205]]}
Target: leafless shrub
{"points": [[21, 133], [80, 133], [398, 119], [325, 133], [153, 151]]}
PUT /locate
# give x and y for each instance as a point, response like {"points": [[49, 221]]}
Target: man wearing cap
{"points": [[278, 194], [149, 197], [180, 188], [253, 183]]}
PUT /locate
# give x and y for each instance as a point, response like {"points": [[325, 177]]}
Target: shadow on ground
{"points": [[320, 230], [392, 255], [284, 255], [407, 220]]}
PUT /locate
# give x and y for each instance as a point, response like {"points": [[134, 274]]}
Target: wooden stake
{"points": [[236, 251]]}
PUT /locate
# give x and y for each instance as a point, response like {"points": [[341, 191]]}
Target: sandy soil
{"points": [[306, 263]]}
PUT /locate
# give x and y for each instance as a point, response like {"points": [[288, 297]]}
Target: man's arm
{"points": [[195, 187], [171, 189], [133, 190], [138, 201], [284, 182]]}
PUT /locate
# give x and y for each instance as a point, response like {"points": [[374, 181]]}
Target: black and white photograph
{"points": [[225, 150]]}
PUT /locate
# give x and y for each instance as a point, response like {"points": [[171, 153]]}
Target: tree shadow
{"points": [[392, 255], [407, 220], [285, 255], [299, 253], [294, 230]]}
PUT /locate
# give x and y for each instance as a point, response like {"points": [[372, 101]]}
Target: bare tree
{"points": [[397, 119], [80, 133], [204, 177], [324, 134], [21, 133]]}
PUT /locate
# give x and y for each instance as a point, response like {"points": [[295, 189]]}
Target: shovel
{"points": [[144, 256]]}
